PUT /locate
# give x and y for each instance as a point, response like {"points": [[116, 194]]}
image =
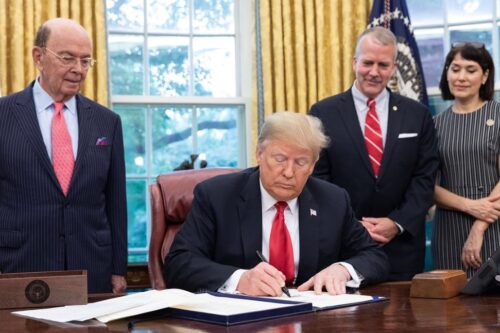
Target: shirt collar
{"points": [[44, 101], [268, 201], [361, 98]]}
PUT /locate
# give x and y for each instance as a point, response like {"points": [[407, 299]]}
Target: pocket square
{"points": [[102, 141], [407, 135]]}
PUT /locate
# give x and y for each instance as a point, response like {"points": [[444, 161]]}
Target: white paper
{"points": [[325, 300], [135, 304], [115, 307], [161, 299], [226, 305]]}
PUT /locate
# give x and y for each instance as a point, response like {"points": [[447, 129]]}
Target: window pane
{"points": [[476, 33], [213, 16], [172, 137], [438, 105], [169, 66], [430, 47], [134, 136], [168, 16], [217, 135], [126, 64], [137, 217], [425, 12], [125, 15], [138, 257], [462, 11], [214, 67]]}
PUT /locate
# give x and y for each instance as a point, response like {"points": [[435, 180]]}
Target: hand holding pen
{"points": [[262, 280], [284, 288]]}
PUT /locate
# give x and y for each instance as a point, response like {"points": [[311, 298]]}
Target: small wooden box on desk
{"points": [[42, 289], [438, 284]]}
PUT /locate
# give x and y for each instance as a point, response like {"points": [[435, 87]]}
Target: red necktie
{"points": [[280, 244], [62, 150], [373, 137]]}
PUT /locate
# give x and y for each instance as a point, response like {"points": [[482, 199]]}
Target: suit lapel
{"points": [[308, 231], [394, 122], [349, 116], [250, 217], [25, 114], [85, 115]]}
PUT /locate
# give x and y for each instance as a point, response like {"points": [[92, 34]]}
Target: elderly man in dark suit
{"points": [[383, 152], [304, 226], [62, 172]]}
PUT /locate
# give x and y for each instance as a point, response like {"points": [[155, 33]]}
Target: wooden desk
{"points": [[400, 314]]}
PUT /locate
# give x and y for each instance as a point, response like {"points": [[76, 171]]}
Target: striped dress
{"points": [[469, 146]]}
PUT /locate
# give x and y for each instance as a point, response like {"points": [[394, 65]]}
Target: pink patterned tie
{"points": [[62, 150], [373, 137]]}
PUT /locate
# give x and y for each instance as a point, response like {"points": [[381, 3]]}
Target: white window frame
{"points": [[243, 38]]}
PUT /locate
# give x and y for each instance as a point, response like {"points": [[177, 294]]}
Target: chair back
{"points": [[171, 198]]}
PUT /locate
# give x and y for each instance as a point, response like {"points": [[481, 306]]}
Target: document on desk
{"points": [[216, 308], [115, 307], [325, 301]]}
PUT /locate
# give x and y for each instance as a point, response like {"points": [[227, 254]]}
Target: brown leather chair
{"points": [[171, 199]]}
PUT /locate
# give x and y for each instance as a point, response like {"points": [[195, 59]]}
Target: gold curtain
{"points": [[306, 48], [19, 21]]}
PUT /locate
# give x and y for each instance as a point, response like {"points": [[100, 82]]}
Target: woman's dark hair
{"points": [[474, 52]]}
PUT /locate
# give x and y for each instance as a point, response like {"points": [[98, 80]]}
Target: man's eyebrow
{"points": [[73, 55]]}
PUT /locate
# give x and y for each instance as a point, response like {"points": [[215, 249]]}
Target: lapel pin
{"points": [[490, 122], [312, 212], [394, 108]]}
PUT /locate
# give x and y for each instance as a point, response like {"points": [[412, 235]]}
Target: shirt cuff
{"points": [[401, 230], [356, 278], [232, 283]]}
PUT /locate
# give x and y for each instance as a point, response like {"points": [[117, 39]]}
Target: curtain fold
{"points": [[19, 21], [305, 54]]}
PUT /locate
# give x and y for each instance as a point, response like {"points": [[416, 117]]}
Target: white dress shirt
{"points": [[381, 107], [44, 105]]}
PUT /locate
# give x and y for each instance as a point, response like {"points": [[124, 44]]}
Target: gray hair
{"points": [[42, 36], [381, 36], [298, 129]]}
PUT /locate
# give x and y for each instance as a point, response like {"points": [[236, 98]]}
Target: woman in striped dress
{"points": [[466, 230]]}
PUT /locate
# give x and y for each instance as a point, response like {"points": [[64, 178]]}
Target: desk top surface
{"points": [[400, 313]]}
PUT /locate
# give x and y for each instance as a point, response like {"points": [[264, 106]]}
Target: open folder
{"points": [[218, 308]]}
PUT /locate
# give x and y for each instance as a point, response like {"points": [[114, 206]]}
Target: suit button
{"points": [[377, 189], [480, 188], [66, 204]]}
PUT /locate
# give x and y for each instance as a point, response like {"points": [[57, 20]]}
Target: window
{"points": [[439, 23], [178, 77]]}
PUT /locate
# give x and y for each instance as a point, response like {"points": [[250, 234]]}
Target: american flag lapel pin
{"points": [[312, 212]]}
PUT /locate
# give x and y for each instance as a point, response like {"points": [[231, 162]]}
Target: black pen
{"points": [[284, 289]]}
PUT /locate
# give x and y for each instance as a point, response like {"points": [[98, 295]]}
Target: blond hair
{"points": [[297, 129]]}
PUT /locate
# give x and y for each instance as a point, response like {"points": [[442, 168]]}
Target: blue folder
{"points": [[293, 308]]}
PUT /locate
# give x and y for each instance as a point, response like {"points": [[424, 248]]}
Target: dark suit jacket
{"points": [[404, 189], [40, 228], [224, 230]]}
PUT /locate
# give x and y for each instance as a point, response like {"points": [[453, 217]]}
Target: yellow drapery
{"points": [[307, 48], [19, 21]]}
